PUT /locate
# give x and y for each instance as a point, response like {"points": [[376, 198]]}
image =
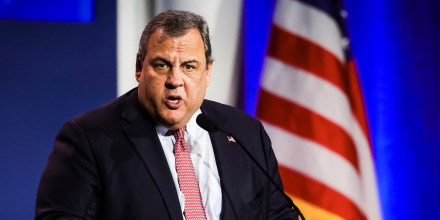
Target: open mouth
{"points": [[173, 102]]}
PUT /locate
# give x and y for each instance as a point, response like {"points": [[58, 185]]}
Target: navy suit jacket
{"points": [[109, 164]]}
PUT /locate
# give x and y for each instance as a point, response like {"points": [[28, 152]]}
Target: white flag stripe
{"points": [[371, 196], [330, 102], [297, 85], [310, 23], [324, 98], [326, 166]]}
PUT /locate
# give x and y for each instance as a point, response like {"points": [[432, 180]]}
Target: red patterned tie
{"points": [[187, 178]]}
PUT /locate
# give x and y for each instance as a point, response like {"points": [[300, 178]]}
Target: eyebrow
{"points": [[152, 61], [189, 61]]}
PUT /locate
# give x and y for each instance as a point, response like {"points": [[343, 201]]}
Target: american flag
{"points": [[312, 107]]}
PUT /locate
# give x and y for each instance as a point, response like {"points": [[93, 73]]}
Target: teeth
{"points": [[174, 101]]}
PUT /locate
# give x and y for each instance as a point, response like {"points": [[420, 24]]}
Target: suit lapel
{"points": [[142, 135], [227, 156], [229, 161]]}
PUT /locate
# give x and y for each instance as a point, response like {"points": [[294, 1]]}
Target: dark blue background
{"points": [[52, 71], [49, 72], [47, 10], [398, 50]]}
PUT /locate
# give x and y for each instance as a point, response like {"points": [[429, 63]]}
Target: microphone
{"points": [[207, 123], [211, 126]]}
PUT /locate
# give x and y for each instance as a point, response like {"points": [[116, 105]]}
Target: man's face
{"points": [[174, 77]]}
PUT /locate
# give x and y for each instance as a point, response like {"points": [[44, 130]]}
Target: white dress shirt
{"points": [[203, 159]]}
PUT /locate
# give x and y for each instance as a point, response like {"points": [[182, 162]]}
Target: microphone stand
{"points": [[211, 126], [286, 197]]}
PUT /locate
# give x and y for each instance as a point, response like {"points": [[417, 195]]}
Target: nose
{"points": [[174, 79]]}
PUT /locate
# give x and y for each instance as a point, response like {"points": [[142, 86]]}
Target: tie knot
{"points": [[179, 134]]}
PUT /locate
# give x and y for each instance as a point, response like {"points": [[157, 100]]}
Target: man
{"points": [[143, 156]]}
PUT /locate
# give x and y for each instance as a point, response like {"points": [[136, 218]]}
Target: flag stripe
{"points": [[316, 162], [305, 123], [303, 54], [316, 193], [327, 101], [312, 107], [319, 27], [297, 86]]}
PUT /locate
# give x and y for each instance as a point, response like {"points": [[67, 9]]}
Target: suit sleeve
{"points": [[69, 185], [278, 207]]}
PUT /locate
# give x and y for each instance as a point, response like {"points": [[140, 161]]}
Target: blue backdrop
{"points": [[47, 10], [52, 71], [49, 72], [398, 51]]}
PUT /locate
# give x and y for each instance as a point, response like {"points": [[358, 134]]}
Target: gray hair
{"points": [[175, 24]]}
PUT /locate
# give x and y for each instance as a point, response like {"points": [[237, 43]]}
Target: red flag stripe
{"points": [[298, 86], [310, 23], [313, 91], [303, 122], [317, 162], [316, 193], [301, 53]]}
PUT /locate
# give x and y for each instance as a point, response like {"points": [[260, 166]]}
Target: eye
{"points": [[160, 66], [189, 67]]}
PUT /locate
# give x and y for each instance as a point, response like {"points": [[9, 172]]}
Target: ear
{"points": [[138, 76], [139, 66], [139, 62]]}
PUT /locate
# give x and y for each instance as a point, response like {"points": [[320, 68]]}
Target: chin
{"points": [[172, 120]]}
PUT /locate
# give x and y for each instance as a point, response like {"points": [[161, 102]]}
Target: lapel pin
{"points": [[231, 139]]}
